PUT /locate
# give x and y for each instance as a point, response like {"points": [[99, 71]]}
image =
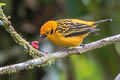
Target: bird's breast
{"points": [[59, 39]]}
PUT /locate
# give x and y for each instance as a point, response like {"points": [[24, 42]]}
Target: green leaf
{"points": [[2, 4]]}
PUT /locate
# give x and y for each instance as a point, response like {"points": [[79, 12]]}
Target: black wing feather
{"points": [[77, 33], [69, 29]]}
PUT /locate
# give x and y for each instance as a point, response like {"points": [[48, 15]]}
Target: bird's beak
{"points": [[42, 36]]}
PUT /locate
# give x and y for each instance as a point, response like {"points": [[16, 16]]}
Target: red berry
{"points": [[46, 52], [35, 44]]}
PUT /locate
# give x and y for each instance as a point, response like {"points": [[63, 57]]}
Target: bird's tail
{"points": [[93, 29], [102, 21]]}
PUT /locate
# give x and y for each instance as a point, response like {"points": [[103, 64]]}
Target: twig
{"points": [[43, 57], [18, 39], [117, 77], [74, 51]]}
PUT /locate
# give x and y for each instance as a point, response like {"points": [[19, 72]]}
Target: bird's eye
{"points": [[51, 32]]}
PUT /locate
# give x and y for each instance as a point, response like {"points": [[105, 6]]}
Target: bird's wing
{"points": [[70, 29]]}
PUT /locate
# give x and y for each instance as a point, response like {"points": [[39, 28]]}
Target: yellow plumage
{"points": [[68, 32]]}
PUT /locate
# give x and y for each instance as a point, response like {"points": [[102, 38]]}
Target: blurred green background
{"points": [[27, 16]]}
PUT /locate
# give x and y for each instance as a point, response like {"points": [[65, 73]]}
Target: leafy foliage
{"points": [[2, 4]]}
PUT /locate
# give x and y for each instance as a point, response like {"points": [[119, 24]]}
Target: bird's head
{"points": [[47, 29]]}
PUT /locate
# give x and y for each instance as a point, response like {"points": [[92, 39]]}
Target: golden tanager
{"points": [[69, 32]]}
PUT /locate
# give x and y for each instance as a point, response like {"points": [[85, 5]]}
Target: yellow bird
{"points": [[69, 32]]}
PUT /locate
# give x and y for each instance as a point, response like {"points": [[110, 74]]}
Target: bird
{"points": [[69, 32]]}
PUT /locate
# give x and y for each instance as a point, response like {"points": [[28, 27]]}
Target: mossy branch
{"points": [[18, 38], [74, 51], [42, 58]]}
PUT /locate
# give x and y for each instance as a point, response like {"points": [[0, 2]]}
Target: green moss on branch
{"points": [[18, 39]]}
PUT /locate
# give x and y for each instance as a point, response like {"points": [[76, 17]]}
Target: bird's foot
{"points": [[83, 45], [65, 49], [68, 48]]}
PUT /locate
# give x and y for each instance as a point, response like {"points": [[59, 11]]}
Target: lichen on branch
{"points": [[74, 51], [42, 58], [18, 38]]}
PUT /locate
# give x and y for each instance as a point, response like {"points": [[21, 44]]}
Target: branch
{"points": [[41, 57], [18, 38], [74, 51], [117, 77]]}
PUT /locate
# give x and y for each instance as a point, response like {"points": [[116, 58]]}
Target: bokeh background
{"points": [[27, 16]]}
